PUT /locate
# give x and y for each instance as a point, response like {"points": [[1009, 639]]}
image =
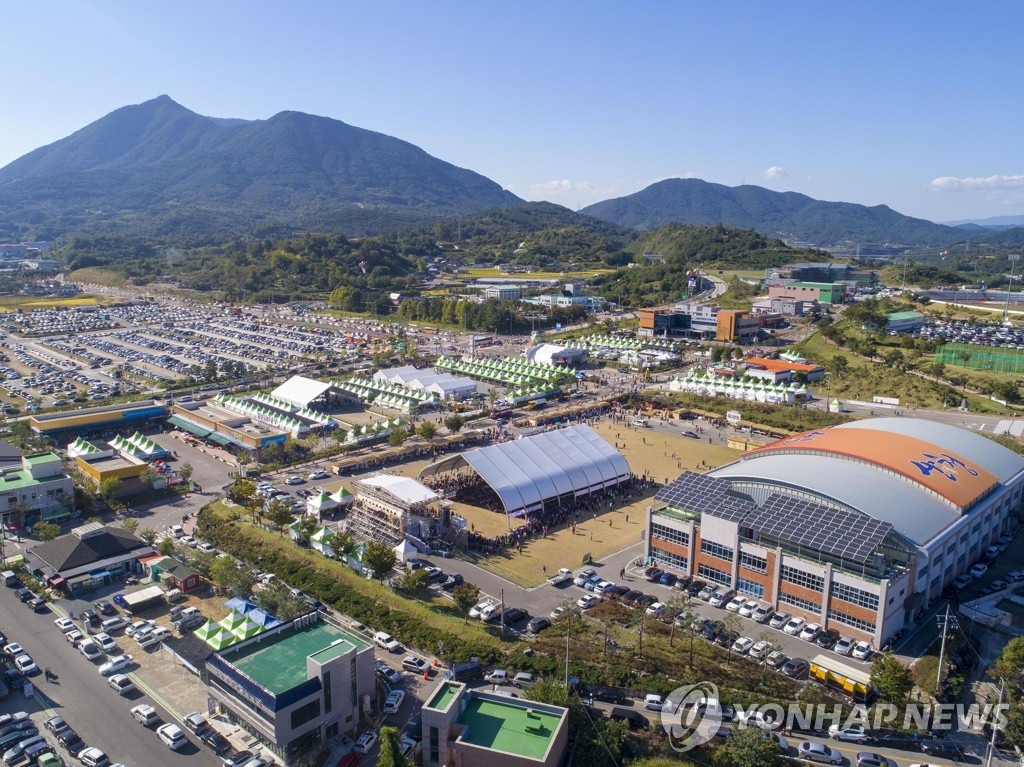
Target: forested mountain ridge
{"points": [[140, 164], [775, 214]]}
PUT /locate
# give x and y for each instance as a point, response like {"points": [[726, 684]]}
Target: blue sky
{"points": [[912, 105]]}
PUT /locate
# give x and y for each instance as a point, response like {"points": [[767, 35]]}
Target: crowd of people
{"points": [[556, 514]]}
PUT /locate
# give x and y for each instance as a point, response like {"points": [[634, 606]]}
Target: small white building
{"points": [[444, 385], [545, 354]]}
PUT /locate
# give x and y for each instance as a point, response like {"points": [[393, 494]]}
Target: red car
{"points": [[350, 760]]}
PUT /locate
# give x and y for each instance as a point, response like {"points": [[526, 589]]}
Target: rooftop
{"points": [[512, 727], [445, 694], [278, 662], [897, 316]]}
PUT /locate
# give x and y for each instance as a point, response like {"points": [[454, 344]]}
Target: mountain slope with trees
{"points": [[776, 214], [143, 162]]}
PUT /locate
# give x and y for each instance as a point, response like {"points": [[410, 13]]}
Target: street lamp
{"points": [[1013, 258]]}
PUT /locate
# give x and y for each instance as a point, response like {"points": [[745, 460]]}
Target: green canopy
{"points": [[208, 629], [246, 630], [221, 640], [232, 620]]}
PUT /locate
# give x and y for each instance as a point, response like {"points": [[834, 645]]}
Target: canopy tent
{"points": [[247, 629], [527, 472], [300, 391], [221, 639], [207, 630]]}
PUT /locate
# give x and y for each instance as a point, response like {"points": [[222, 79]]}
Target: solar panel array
{"points": [[702, 494], [842, 533]]}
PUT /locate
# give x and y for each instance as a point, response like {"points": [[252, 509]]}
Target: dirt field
{"points": [[665, 456]]}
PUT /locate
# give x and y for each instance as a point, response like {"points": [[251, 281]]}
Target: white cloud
{"points": [[775, 172], [565, 186], [947, 183]]}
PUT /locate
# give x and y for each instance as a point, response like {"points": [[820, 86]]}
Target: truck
{"points": [[137, 601], [562, 576]]}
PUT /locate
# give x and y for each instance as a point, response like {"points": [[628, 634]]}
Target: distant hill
{"points": [[788, 215], [140, 164], [993, 222]]}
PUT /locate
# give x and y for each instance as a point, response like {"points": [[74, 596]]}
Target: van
{"points": [[640, 422], [385, 640], [722, 595], [10, 578], [464, 672]]}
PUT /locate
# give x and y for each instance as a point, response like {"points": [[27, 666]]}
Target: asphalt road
{"points": [[99, 715]]}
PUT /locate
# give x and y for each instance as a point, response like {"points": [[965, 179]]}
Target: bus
{"points": [[484, 341]]}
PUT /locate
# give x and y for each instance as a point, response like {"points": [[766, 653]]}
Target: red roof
{"points": [[779, 365]]}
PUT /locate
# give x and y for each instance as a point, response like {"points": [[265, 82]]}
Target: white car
{"points": [[653, 702], [1015, 575], [497, 676], [366, 742], [65, 624], [779, 620], [207, 547], [172, 735], [861, 651], [760, 649], [394, 701], [385, 640], [813, 751], [742, 645], [321, 474], [105, 642], [293, 480], [93, 757], [657, 608], [115, 665], [588, 600], [747, 609], [132, 629], [13, 649], [978, 570], [734, 604], [603, 586], [121, 684], [145, 714], [851, 734], [762, 614], [474, 612], [25, 664], [189, 541], [89, 649], [794, 626], [810, 632]]}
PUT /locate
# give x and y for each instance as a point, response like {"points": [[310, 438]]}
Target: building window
{"points": [[855, 596], [803, 604], [716, 550], [354, 697], [672, 560], [750, 587], [327, 692], [800, 578], [306, 713], [670, 534], [713, 575], [435, 746], [849, 620], [752, 562]]}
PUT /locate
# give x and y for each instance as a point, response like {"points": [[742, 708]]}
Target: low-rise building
{"points": [[36, 489], [123, 417], [502, 292], [736, 325], [822, 292], [172, 573], [783, 371], [296, 685], [904, 322], [88, 557], [477, 728]]}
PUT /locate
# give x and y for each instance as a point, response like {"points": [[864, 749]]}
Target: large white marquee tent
{"points": [[544, 468]]}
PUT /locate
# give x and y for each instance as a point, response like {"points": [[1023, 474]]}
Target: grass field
{"points": [[487, 272], [864, 380], [10, 303], [97, 276]]}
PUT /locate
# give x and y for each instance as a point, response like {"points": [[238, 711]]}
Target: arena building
{"points": [[858, 527]]}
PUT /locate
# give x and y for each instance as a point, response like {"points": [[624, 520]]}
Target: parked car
{"points": [[762, 614], [538, 624], [522, 679], [366, 742], [196, 722], [813, 751], [861, 651], [65, 624], [215, 741], [759, 650], [610, 695], [388, 674], [794, 626], [978, 570], [172, 736], [115, 665], [93, 757], [844, 646], [122, 684], [394, 701], [415, 665], [854, 734], [795, 668], [653, 702], [145, 714], [588, 600], [497, 676], [388, 642], [810, 632], [779, 620]]}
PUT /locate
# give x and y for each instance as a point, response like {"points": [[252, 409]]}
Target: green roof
{"points": [[15, 480], [511, 727], [897, 316], [278, 662], [39, 458], [444, 696]]}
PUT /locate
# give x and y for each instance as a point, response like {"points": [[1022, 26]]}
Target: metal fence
{"points": [[981, 357]]}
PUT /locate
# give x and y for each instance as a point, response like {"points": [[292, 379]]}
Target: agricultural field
{"points": [[10, 303], [583, 275]]}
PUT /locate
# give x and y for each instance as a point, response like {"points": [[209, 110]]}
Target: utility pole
{"points": [[503, 611], [944, 622], [995, 727], [568, 626]]}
